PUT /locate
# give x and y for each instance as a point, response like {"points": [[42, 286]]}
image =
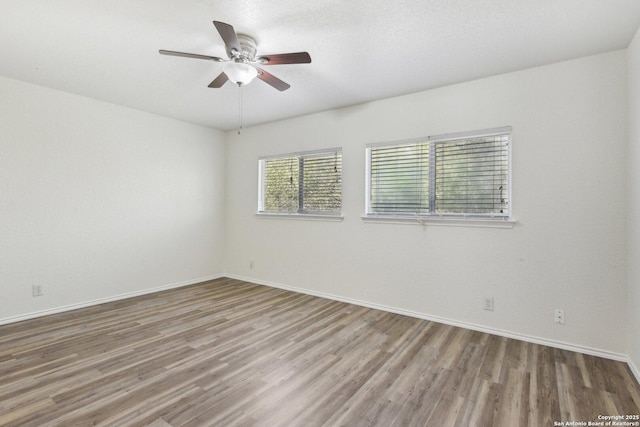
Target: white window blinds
{"points": [[301, 183], [400, 179], [450, 175], [472, 176]]}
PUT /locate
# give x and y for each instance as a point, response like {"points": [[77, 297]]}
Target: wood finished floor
{"points": [[227, 352]]}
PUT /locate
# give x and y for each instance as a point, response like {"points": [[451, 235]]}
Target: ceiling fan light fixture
{"points": [[243, 65], [239, 73]]}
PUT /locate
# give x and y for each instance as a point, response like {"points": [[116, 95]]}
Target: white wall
{"points": [[634, 202], [98, 200], [568, 249]]}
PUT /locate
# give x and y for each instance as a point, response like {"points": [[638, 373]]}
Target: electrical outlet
{"points": [[488, 303], [251, 265], [558, 316], [36, 290]]}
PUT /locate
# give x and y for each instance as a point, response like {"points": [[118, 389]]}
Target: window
{"points": [[308, 183], [456, 175]]}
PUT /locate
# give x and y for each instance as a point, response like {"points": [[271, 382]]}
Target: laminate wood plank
{"points": [[482, 409], [573, 394], [376, 397], [447, 410], [423, 397], [369, 406], [303, 383], [624, 390], [15, 415], [514, 399], [543, 396], [492, 367], [448, 354], [469, 368], [159, 423], [232, 353]]}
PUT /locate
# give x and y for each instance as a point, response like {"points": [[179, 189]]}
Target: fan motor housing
{"points": [[248, 47]]}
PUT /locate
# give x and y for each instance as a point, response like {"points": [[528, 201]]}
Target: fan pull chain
{"points": [[240, 103]]}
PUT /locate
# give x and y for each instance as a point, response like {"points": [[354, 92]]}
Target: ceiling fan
{"points": [[243, 64]]}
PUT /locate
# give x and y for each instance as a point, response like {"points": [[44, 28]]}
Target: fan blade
{"points": [[228, 35], [219, 81], [190, 55], [272, 80], [285, 58]]}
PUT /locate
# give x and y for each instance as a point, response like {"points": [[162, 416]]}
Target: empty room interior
{"points": [[409, 213]]}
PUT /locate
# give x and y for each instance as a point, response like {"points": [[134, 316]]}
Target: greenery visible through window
{"points": [[301, 183], [451, 175]]}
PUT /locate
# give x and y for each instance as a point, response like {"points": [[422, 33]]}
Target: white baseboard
{"points": [[634, 369], [70, 307], [475, 327]]}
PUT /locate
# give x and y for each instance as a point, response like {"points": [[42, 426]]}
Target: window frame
{"points": [[300, 213], [432, 217]]}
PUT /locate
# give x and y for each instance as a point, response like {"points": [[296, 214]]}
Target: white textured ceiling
{"points": [[361, 50]]}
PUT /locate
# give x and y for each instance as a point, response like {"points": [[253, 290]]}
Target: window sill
{"points": [[442, 221], [301, 217]]}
